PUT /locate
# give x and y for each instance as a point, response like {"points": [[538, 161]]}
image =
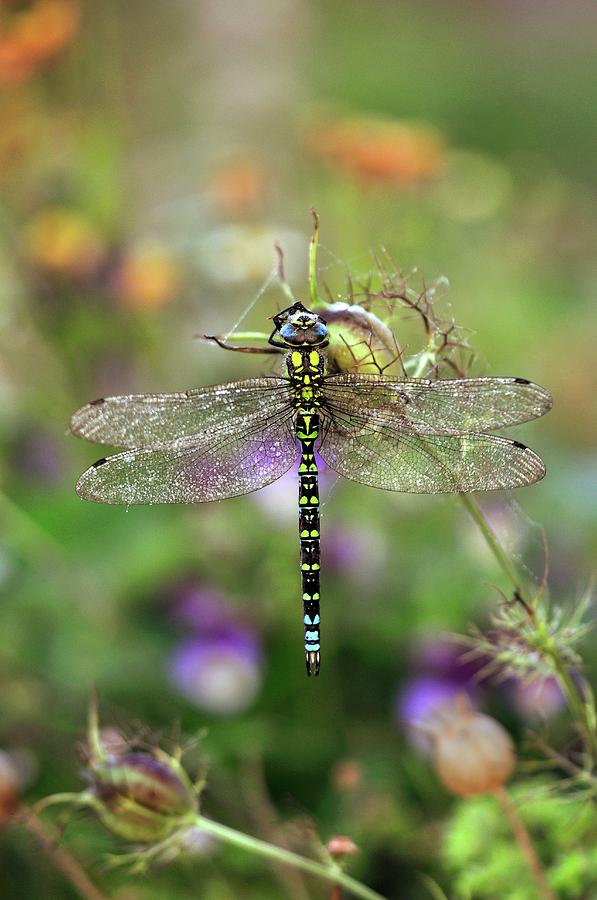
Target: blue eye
{"points": [[320, 329], [287, 331]]}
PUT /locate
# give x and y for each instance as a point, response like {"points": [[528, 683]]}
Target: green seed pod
{"points": [[359, 341], [140, 797]]}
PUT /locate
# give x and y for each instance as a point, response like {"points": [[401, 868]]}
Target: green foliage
{"points": [[479, 851]]}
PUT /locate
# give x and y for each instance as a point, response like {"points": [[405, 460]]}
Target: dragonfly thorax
{"points": [[305, 371]]}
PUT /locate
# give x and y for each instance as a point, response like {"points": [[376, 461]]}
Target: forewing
{"points": [[151, 420], [448, 407], [222, 463], [384, 457]]}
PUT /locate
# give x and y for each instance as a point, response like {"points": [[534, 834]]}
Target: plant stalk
{"points": [[525, 844], [332, 874]]}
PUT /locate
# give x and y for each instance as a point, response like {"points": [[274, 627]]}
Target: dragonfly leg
{"points": [[237, 348]]}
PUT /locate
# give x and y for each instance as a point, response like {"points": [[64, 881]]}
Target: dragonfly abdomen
{"points": [[307, 431], [305, 369]]}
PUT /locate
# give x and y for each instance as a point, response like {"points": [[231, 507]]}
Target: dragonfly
{"points": [[398, 434]]}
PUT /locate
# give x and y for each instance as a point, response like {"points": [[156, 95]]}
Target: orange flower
{"points": [[379, 150], [147, 278], [238, 186], [63, 241], [32, 38]]}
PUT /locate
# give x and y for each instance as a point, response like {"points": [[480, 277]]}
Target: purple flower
{"points": [[202, 608], [37, 456], [541, 698], [419, 702], [423, 696], [355, 552], [279, 499], [220, 674]]}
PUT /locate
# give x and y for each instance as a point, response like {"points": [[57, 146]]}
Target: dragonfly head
{"points": [[298, 326]]}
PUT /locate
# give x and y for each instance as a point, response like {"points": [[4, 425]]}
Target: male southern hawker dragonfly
{"points": [[416, 435]]}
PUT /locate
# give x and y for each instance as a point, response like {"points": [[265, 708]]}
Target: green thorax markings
{"points": [[305, 371]]}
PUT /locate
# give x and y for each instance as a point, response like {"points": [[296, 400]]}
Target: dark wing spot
{"points": [[97, 402], [99, 463], [515, 444], [521, 381]]}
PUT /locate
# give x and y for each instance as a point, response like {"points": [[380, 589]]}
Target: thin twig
{"points": [[63, 860], [525, 844]]}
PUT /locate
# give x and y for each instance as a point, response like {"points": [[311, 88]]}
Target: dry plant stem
{"points": [[63, 860], [580, 710], [525, 844], [336, 892], [253, 845]]}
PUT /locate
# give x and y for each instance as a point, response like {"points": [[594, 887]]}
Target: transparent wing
{"points": [[150, 420], [385, 457], [439, 407], [220, 463]]}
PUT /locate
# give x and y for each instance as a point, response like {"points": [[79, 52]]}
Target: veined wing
{"points": [[223, 462], [151, 420], [439, 407], [385, 457]]}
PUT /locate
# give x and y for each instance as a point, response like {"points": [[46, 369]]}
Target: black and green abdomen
{"points": [[305, 369]]}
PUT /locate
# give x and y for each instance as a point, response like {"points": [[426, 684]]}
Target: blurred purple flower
{"points": [[423, 696], [279, 499], [358, 553], [442, 674], [419, 702], [37, 456], [538, 699], [201, 607], [220, 674], [446, 658]]}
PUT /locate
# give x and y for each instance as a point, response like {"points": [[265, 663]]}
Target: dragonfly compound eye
{"points": [[304, 330]]}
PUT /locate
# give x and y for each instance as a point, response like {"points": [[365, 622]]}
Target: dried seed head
{"points": [[472, 753], [359, 340]]}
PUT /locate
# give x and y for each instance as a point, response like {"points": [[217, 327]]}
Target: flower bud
{"points": [[472, 753], [140, 796], [341, 846]]}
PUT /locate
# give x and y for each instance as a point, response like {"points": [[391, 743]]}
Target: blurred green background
{"points": [[150, 155]]}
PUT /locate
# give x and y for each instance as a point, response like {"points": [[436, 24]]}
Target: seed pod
{"points": [[140, 797], [359, 341], [472, 753]]}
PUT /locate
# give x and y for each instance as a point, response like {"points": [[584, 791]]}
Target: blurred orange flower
{"points": [[147, 278], [63, 241], [238, 186], [31, 38], [382, 151]]}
